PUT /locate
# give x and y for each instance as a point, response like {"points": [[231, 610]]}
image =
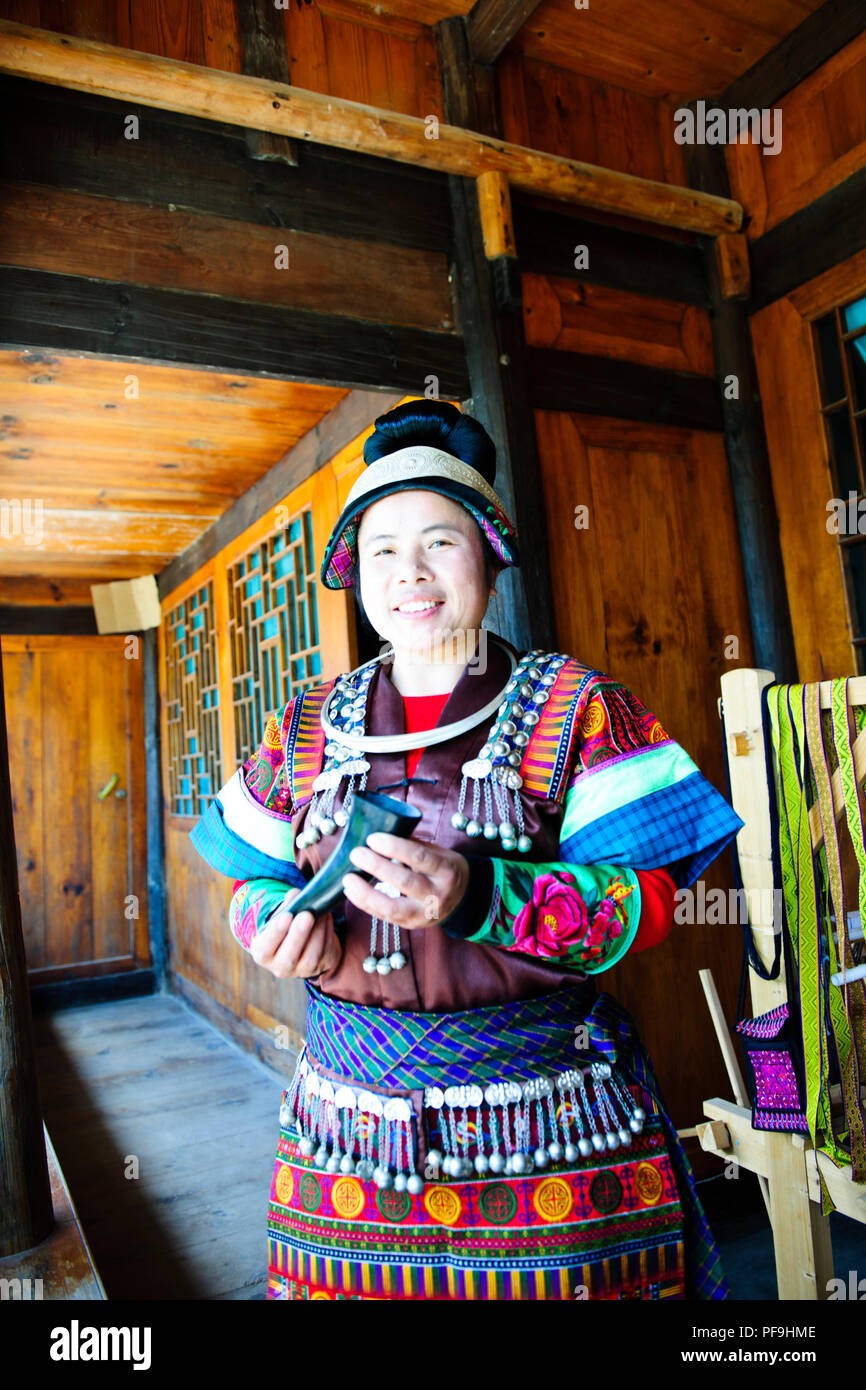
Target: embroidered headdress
{"points": [[446, 452]]}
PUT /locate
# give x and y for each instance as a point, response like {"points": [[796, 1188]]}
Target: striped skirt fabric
{"points": [[626, 1224], [609, 1228]]}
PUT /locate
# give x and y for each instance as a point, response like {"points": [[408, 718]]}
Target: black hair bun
{"points": [[439, 424]]}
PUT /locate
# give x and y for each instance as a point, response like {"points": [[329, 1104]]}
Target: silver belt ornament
{"points": [[347, 1129]]}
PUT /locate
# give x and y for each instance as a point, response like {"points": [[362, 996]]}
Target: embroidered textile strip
{"points": [[850, 999]]}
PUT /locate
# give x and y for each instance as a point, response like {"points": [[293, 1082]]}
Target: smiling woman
{"points": [[468, 1119]]}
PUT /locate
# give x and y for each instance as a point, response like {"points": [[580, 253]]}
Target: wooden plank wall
{"points": [[799, 461], [652, 589], [823, 143], [207, 966]]}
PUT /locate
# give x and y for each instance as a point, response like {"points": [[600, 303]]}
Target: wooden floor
{"points": [[150, 1080]]}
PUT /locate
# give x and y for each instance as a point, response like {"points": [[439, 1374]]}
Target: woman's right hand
{"points": [[296, 946]]}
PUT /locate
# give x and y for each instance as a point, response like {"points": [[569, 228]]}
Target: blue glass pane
{"points": [[270, 627], [855, 315], [295, 530], [283, 566]]}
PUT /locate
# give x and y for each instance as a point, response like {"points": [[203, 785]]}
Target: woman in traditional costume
{"points": [[469, 1117]]}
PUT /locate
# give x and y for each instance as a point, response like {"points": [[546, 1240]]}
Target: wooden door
{"points": [[74, 712], [649, 588]]}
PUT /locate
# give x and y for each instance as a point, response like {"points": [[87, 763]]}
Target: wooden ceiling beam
{"points": [[822, 34], [69, 313], [257, 104], [492, 24]]}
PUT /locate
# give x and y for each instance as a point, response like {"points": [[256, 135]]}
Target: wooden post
{"points": [[263, 41], [26, 1211], [491, 321], [746, 448], [153, 797]]}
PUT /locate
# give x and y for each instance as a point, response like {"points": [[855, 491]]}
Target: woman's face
{"points": [[423, 582]]}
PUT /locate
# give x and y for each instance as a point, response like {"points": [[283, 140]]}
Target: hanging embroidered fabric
{"points": [[803, 785]]}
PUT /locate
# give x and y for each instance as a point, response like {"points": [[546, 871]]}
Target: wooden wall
{"points": [[799, 460], [823, 142], [206, 963], [565, 113], [651, 591]]}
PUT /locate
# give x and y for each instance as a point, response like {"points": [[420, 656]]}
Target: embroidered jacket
{"points": [[606, 793]]}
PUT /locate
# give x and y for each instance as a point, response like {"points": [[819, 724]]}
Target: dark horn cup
{"points": [[370, 811]]}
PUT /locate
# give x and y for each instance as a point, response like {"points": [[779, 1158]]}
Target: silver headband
{"points": [[427, 462]]}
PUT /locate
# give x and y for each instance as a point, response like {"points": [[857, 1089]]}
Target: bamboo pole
{"points": [[258, 104]]}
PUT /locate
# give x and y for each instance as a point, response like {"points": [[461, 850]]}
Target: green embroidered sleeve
{"points": [[580, 915]]}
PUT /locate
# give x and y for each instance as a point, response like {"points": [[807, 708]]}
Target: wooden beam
{"points": [[338, 428], [821, 34], [255, 103], [31, 619], [492, 24], [263, 47], [746, 447], [39, 309], [809, 242], [61, 138], [617, 259], [72, 233], [26, 1212], [577, 382], [497, 223], [732, 265], [492, 324]]}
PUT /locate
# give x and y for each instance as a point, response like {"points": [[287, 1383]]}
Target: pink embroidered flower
{"points": [[605, 925], [555, 920]]}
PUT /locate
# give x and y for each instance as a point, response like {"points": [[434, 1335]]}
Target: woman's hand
{"points": [[432, 880], [296, 947]]}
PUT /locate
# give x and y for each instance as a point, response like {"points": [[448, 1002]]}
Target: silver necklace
{"points": [[494, 774]]}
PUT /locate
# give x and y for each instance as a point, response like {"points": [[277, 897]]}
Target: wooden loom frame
{"points": [[786, 1164]]}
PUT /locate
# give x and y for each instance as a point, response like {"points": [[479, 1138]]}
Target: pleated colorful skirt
{"points": [[622, 1224]]}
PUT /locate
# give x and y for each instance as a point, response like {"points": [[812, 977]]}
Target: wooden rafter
{"points": [[258, 104], [492, 24]]}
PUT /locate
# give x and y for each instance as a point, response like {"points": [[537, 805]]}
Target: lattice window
{"points": [[273, 627], [192, 703]]}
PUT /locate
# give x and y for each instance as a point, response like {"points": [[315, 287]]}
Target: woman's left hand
{"points": [[432, 880]]}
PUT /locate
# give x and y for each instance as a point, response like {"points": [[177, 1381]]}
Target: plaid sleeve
{"points": [[635, 797], [246, 831]]}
